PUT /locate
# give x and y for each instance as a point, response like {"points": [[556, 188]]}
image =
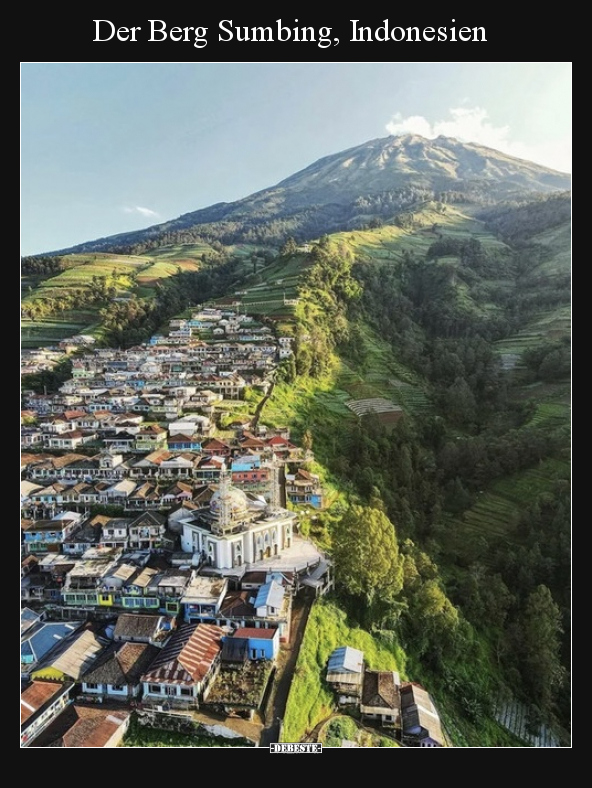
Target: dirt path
{"points": [[276, 704]]}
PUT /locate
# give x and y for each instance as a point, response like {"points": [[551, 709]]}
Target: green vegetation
{"points": [[310, 700], [139, 735], [343, 727]]}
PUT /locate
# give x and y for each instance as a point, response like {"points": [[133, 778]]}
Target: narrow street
{"points": [[278, 698]]}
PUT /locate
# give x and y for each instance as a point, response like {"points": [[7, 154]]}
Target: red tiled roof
{"points": [[36, 694], [94, 727], [255, 632]]}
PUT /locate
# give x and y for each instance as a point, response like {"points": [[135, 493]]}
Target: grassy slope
{"points": [[311, 700]]}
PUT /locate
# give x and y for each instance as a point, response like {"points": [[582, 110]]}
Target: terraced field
{"points": [[495, 514]]}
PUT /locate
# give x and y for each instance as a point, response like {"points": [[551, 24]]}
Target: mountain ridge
{"points": [[409, 165]]}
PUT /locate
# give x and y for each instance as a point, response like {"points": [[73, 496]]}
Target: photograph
{"points": [[295, 349]]}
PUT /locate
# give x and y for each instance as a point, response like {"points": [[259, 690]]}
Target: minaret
{"points": [[274, 489], [224, 513]]}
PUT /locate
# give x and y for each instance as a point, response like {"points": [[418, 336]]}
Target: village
{"points": [[161, 557]]}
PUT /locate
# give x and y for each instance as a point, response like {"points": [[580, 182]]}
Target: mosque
{"points": [[237, 529]]}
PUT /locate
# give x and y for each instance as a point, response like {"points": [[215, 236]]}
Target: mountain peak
{"points": [[407, 165]]}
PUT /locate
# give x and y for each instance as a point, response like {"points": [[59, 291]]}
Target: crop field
{"points": [[388, 242], [37, 333], [553, 414], [514, 717], [176, 252], [162, 270]]}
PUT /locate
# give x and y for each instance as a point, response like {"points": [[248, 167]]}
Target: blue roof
{"points": [[28, 618], [271, 594], [47, 637], [245, 463], [346, 660]]}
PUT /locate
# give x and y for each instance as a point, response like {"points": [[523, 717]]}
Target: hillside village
{"points": [[161, 553]]}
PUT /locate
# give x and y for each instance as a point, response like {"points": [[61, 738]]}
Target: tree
{"points": [[367, 561], [540, 631]]}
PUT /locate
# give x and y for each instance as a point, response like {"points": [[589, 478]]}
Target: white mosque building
{"points": [[237, 530]]}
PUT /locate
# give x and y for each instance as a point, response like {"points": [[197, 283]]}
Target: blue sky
{"points": [[113, 147]]}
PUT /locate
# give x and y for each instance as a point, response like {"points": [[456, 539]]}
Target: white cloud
{"points": [[143, 211], [471, 124]]}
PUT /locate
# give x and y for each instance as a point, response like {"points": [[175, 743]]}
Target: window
{"points": [[186, 692], [117, 688], [170, 690], [91, 685], [155, 689]]}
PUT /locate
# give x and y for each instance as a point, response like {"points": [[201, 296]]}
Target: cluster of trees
{"points": [[127, 323], [520, 219], [99, 290], [41, 265], [48, 380], [326, 289]]}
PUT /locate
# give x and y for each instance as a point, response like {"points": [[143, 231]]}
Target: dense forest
{"points": [[502, 615]]}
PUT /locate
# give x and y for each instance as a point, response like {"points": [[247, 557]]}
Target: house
{"points": [[187, 442], [82, 586], [140, 592], [281, 447], [73, 659], [29, 618], [41, 703], [118, 493], [260, 643], [345, 671], [69, 440], [115, 532], [216, 448], [41, 536], [117, 672], [146, 531], [41, 638], [145, 496], [247, 471], [184, 668], [170, 586], [420, 721], [87, 534], [150, 438], [202, 598], [180, 466], [303, 487], [180, 491], [380, 698], [87, 726], [143, 628], [269, 599]]}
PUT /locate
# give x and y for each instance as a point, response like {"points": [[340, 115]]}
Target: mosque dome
{"points": [[234, 500]]}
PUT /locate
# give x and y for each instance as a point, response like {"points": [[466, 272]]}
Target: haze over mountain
{"points": [[378, 178]]}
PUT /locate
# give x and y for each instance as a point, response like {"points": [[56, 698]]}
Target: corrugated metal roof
{"points": [[47, 637], [79, 656], [188, 655], [270, 595], [346, 660]]}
